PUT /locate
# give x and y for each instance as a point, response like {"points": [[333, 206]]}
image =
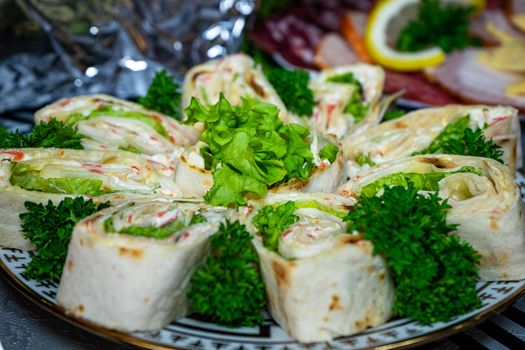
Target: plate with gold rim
{"points": [[196, 333]]}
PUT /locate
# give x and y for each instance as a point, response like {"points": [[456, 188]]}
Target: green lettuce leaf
{"points": [[329, 152], [362, 159], [249, 149], [24, 176], [153, 231], [355, 107], [311, 203], [74, 118], [272, 220], [229, 187], [422, 182]]}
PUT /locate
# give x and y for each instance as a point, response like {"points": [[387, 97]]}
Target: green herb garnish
{"points": [[24, 176], [197, 218], [362, 159], [272, 220], [163, 95], [393, 113], [355, 106], [443, 25], [108, 110], [458, 138], [249, 149], [292, 87], [52, 134], [228, 289], [329, 152], [434, 273], [49, 228], [357, 109], [421, 181], [161, 232]]}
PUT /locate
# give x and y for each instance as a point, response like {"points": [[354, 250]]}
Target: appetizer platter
{"points": [[265, 209]]}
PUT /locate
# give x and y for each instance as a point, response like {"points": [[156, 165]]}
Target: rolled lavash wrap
{"points": [[333, 93], [235, 76], [194, 180], [128, 267], [191, 176], [416, 130], [42, 174], [486, 204], [326, 175], [109, 123], [322, 282]]}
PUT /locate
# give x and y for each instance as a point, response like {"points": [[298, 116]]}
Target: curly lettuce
{"points": [[249, 149]]}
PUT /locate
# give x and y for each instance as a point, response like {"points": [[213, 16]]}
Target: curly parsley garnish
{"points": [[292, 88], [228, 289], [435, 273], [49, 228], [52, 134], [393, 113], [458, 138], [443, 25], [163, 95]]}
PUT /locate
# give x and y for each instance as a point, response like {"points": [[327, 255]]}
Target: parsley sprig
{"points": [[292, 88], [44, 135], [228, 289], [458, 138], [435, 273], [443, 25], [163, 95], [49, 228], [393, 113]]}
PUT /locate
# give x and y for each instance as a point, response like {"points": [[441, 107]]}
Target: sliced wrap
{"points": [[416, 130], [326, 175], [486, 204], [344, 105], [235, 76], [128, 267], [190, 175], [109, 123], [323, 282], [39, 175]]}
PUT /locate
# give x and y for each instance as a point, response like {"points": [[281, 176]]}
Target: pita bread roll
{"points": [[191, 175], [326, 176], [39, 175], [486, 204], [332, 97], [109, 123], [235, 76], [416, 130], [128, 267], [323, 282]]}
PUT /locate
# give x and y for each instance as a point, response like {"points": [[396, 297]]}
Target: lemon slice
{"points": [[376, 38]]}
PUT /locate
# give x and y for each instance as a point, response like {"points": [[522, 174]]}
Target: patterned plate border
{"points": [[192, 333]]}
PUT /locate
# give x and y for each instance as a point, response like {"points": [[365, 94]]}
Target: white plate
{"points": [[193, 333]]}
